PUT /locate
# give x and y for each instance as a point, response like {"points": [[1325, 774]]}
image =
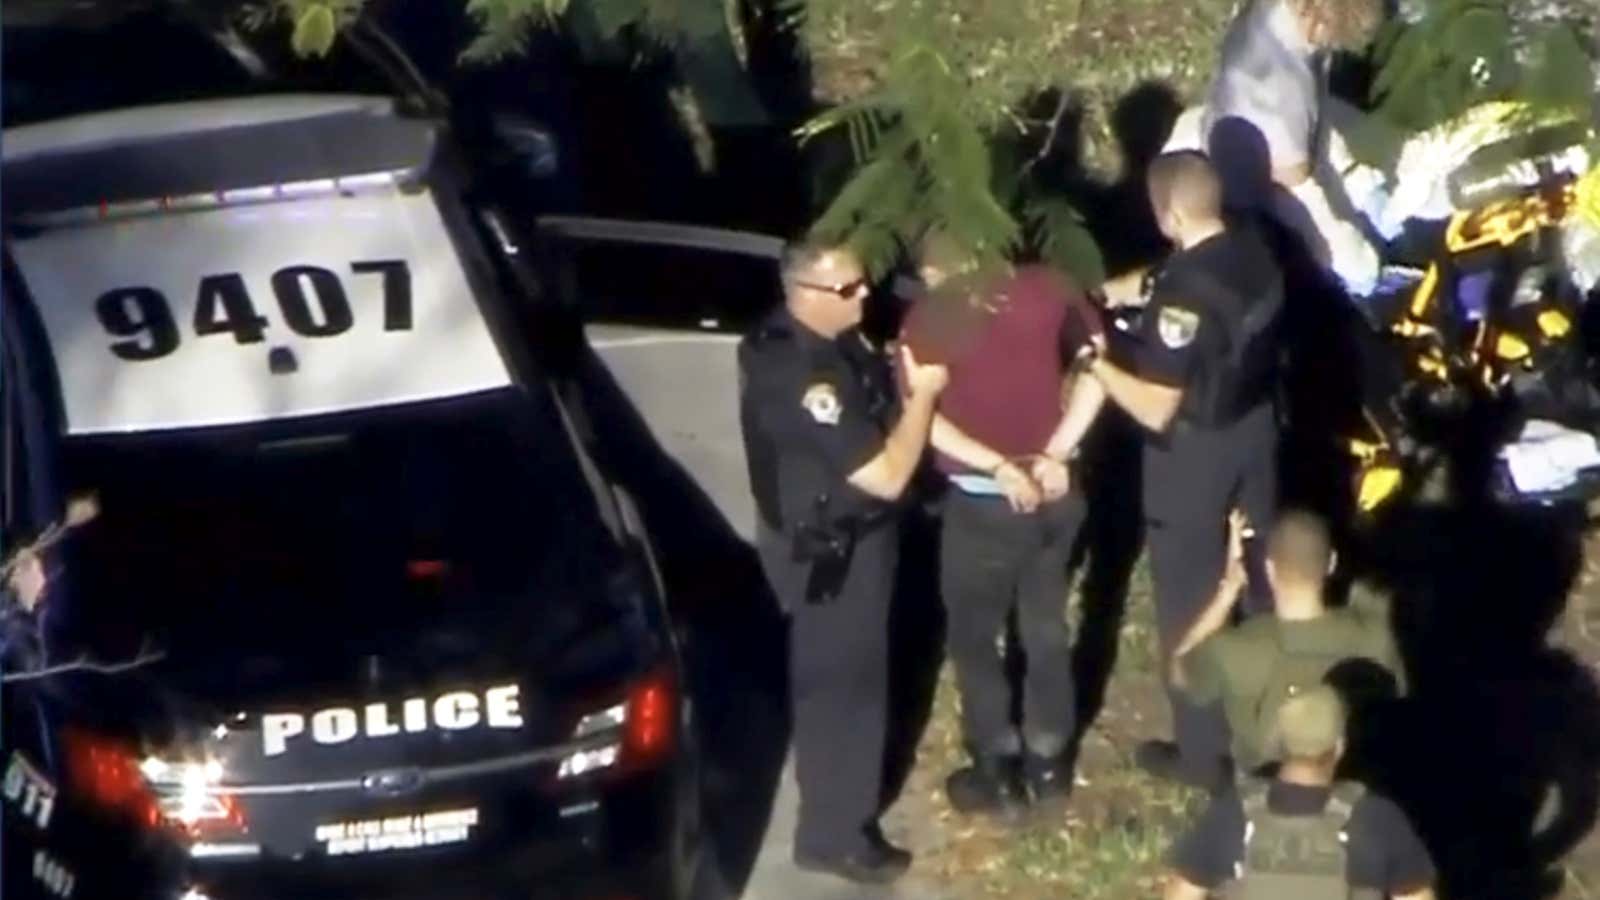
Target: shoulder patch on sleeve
{"points": [[1177, 326], [822, 402]]}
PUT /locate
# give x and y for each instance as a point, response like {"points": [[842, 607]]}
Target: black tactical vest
{"points": [[1243, 372]]}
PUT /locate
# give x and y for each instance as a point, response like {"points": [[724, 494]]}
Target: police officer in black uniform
{"points": [[831, 449], [1201, 377]]}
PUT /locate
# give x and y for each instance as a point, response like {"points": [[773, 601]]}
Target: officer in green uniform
{"points": [[1252, 668], [1302, 835]]}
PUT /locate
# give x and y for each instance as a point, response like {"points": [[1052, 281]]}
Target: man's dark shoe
{"points": [[1161, 759], [1048, 779], [992, 784], [879, 862]]}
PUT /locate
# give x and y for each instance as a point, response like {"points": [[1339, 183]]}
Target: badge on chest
{"points": [[822, 402]]}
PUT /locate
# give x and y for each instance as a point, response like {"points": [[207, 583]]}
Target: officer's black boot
{"points": [[992, 784], [1162, 760], [876, 862]]}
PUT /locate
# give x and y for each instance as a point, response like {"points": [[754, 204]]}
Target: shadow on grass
{"points": [[1496, 754]]}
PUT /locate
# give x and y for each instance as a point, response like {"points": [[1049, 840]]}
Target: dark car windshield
{"points": [[66, 66], [355, 536]]}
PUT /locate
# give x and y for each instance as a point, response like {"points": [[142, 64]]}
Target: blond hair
{"points": [[1310, 724], [1343, 24]]}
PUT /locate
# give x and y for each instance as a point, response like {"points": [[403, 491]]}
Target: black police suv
{"points": [[381, 624]]}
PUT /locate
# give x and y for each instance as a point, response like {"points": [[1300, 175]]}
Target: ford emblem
{"points": [[392, 782]]}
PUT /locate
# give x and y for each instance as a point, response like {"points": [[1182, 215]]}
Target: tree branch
{"points": [[1049, 139], [85, 664]]}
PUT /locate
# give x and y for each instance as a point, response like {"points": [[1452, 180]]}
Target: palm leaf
{"points": [[1558, 76], [1060, 238]]}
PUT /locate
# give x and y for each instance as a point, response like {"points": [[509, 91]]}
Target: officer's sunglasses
{"points": [[847, 290]]}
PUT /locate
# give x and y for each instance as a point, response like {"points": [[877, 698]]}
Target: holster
{"points": [[827, 550], [827, 545]]}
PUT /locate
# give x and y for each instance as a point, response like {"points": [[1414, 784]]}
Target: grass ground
{"points": [[1110, 843], [1112, 840]]}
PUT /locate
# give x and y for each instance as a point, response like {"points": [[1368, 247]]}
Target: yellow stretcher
{"points": [[1487, 355]]}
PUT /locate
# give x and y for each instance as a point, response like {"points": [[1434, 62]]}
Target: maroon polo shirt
{"points": [[1005, 363]]}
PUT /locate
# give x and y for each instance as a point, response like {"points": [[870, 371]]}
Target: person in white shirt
{"points": [[1275, 134]]}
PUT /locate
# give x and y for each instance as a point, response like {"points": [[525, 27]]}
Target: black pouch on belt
{"points": [[826, 545]]}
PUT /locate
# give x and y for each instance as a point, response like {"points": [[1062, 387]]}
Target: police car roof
{"points": [[197, 147], [149, 124]]}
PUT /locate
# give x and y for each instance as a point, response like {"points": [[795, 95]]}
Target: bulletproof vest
{"points": [[1284, 671], [1296, 857], [1241, 376]]}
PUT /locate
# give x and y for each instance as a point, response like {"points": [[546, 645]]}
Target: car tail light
{"points": [[651, 714], [641, 726], [421, 569], [108, 775], [186, 795]]}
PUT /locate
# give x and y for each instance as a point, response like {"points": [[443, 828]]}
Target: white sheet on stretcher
{"points": [[1549, 457]]}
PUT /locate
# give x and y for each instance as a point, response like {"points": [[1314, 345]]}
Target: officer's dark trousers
{"points": [[838, 687], [991, 561], [1192, 478]]}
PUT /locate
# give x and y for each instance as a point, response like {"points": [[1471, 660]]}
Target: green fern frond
{"points": [[1557, 76], [1463, 53], [1060, 238], [504, 26], [691, 20], [611, 16]]}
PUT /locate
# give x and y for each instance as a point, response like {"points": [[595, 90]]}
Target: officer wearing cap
{"points": [[1303, 834], [1200, 377], [831, 449]]}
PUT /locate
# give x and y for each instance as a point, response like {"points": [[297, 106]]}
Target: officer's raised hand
{"points": [[1235, 575], [26, 579], [923, 380]]}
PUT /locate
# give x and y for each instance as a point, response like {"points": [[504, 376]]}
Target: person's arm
{"points": [[1202, 859], [1150, 404], [1215, 615], [1211, 621], [949, 439], [1234, 578], [1178, 888], [886, 475], [1085, 397], [1292, 177]]}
